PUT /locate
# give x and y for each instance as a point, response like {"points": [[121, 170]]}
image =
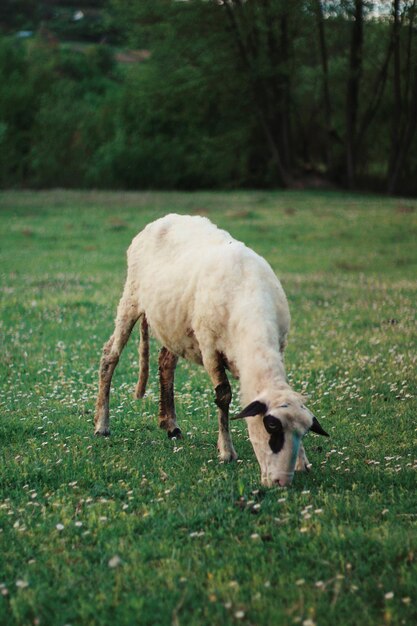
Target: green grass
{"points": [[200, 542]]}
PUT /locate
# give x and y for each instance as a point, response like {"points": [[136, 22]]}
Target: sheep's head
{"points": [[276, 431]]}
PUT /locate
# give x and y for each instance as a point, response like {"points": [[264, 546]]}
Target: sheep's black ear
{"points": [[254, 408], [316, 428]]}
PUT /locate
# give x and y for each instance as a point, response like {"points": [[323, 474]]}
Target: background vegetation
{"points": [[138, 529], [164, 94]]}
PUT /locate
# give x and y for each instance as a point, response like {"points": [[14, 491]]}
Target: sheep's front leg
{"points": [[223, 399], [167, 417], [217, 373], [302, 464]]}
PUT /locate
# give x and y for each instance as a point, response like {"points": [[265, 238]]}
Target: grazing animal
{"points": [[210, 299]]}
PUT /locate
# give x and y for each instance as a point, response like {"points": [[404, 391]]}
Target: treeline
{"points": [[226, 93]]}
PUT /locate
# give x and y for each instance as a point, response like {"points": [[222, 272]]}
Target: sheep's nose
{"points": [[284, 481]]}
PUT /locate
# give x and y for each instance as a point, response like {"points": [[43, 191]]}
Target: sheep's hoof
{"points": [[303, 467], [102, 433], [138, 393], [228, 457], [175, 434]]}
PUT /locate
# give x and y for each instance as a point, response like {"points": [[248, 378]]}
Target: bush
{"points": [[50, 119]]}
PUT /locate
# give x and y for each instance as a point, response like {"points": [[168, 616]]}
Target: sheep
{"points": [[210, 299]]}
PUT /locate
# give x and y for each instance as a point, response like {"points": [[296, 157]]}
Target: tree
{"points": [[404, 119], [232, 93]]}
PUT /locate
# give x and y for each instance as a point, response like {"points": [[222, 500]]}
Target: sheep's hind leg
{"points": [[126, 318], [217, 373], [143, 359], [167, 418]]}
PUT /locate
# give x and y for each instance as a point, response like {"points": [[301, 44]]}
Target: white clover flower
{"points": [[115, 561], [22, 584]]}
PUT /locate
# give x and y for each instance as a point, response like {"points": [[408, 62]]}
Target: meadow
{"points": [[138, 529]]}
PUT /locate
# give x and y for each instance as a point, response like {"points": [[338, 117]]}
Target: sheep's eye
{"points": [[274, 427], [283, 406], [272, 424]]}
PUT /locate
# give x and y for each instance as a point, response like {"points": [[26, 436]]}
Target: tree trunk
{"points": [[267, 101], [406, 139], [405, 101], [352, 96], [284, 89], [326, 91]]}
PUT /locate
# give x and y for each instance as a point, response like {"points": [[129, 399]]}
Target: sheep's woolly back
{"points": [[204, 292]]}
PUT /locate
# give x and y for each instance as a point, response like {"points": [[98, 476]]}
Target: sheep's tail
{"points": [[143, 359]]}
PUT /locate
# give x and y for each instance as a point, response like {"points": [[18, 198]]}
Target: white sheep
{"points": [[210, 299]]}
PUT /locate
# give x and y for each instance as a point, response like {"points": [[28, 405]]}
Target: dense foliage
{"points": [[209, 94]]}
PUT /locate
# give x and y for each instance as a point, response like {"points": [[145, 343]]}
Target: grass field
{"points": [[137, 529]]}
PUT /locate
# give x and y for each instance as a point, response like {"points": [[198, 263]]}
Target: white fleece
{"points": [[203, 291]]}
